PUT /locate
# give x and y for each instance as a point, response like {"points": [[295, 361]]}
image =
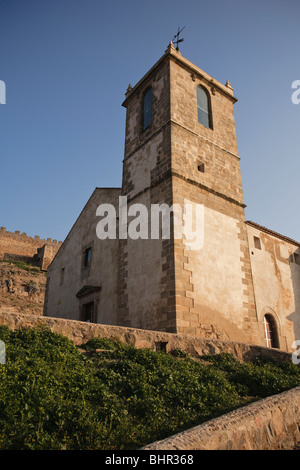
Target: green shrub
{"points": [[260, 378], [54, 397], [22, 265]]}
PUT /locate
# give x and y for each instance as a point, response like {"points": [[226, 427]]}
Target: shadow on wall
{"points": [[11, 257], [295, 277]]}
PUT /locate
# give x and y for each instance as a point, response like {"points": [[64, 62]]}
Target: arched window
{"points": [[147, 109], [203, 105], [271, 335]]}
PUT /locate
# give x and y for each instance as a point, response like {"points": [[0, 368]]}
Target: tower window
{"points": [[147, 109], [203, 106], [271, 335], [257, 243], [87, 256]]}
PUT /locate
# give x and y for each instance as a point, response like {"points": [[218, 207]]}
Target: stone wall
{"points": [[269, 424], [80, 332], [146, 267], [184, 290], [19, 246], [213, 282]]}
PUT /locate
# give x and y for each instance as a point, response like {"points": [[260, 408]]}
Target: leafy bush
{"points": [[54, 397], [258, 379]]}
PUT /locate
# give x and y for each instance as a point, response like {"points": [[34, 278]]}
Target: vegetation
{"points": [[52, 396], [23, 265]]}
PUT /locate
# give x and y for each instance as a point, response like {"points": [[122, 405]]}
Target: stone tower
{"points": [[181, 145]]}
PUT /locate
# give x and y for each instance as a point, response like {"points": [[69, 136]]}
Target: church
{"points": [[242, 283]]}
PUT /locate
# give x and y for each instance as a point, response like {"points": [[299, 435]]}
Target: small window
{"points": [[62, 276], [87, 256], [201, 167], [271, 335], [147, 109], [257, 243], [203, 106], [297, 258]]}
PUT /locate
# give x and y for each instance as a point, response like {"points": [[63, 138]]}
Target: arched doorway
{"points": [[271, 333]]}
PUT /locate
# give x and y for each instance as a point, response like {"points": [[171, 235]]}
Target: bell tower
{"points": [[146, 267], [181, 147]]}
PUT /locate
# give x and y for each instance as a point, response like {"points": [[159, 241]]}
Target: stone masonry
{"points": [[80, 332], [161, 166], [269, 424], [20, 247]]}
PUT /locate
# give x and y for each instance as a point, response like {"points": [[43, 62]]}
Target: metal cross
{"points": [[176, 36]]}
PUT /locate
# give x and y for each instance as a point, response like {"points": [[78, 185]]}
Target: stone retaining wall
{"points": [[80, 332], [269, 424]]}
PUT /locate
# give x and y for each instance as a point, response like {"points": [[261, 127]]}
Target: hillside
{"points": [[108, 395], [22, 287]]}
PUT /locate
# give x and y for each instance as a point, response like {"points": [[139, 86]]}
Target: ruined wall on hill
{"points": [[19, 246]]}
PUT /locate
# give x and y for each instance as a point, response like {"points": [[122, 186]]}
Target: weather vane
{"points": [[176, 39]]}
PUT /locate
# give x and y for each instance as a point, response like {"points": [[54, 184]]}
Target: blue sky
{"points": [[67, 65]]}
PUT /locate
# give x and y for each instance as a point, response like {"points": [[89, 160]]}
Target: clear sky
{"points": [[67, 64]]}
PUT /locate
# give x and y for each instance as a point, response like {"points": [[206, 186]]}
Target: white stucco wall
{"points": [[276, 279], [103, 272]]}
